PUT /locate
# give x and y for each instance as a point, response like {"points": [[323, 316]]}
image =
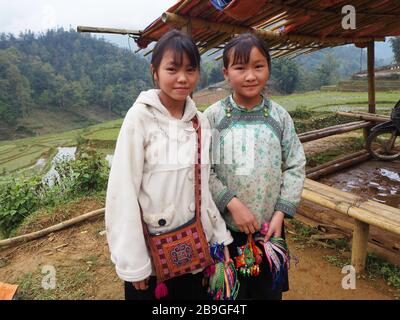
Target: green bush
{"points": [[22, 196], [301, 112], [87, 174], [19, 198]]}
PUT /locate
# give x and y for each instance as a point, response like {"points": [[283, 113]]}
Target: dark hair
{"points": [[242, 45], [179, 43]]}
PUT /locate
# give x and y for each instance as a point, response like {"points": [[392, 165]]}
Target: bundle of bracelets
{"points": [[277, 254], [249, 258], [222, 278]]}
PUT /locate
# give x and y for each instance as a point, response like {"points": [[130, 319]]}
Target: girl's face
{"points": [[175, 81], [247, 80]]}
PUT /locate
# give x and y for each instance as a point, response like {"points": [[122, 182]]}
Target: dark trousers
{"points": [[185, 287], [259, 287]]}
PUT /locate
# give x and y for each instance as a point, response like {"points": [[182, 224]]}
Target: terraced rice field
{"points": [[23, 154]]}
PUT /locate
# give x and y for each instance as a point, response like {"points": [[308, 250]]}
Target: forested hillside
{"points": [[62, 70]]}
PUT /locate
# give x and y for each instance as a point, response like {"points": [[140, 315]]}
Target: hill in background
{"points": [[61, 80]]}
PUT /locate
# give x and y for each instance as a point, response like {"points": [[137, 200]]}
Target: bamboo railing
{"points": [[364, 212]]}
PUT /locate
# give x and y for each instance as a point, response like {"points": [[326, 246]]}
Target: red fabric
{"points": [[378, 3], [242, 10], [325, 32], [297, 24], [329, 3], [368, 31]]}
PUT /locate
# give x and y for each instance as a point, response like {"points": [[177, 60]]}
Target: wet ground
{"points": [[375, 180]]}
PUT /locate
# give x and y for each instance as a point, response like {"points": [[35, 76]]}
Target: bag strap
{"points": [[197, 177], [197, 167]]}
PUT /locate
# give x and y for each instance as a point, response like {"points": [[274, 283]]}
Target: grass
{"points": [[353, 144], [326, 100], [104, 134], [69, 284]]}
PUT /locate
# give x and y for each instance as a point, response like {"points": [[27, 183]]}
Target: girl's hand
{"points": [[141, 285], [242, 216], [275, 226]]}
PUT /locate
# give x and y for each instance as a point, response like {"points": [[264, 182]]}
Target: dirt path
{"points": [[314, 278], [83, 270]]}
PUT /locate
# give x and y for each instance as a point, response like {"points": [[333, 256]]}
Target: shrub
{"points": [[22, 196], [19, 198]]}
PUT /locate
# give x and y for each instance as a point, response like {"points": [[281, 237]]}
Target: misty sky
{"points": [[39, 15]]}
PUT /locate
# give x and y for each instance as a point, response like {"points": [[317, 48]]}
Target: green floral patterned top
{"points": [[257, 157]]}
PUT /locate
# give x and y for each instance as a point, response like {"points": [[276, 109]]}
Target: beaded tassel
{"points": [[249, 258], [277, 254], [161, 290], [222, 278]]}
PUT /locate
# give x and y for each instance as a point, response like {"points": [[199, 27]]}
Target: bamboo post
{"points": [[371, 83], [371, 77], [359, 245]]}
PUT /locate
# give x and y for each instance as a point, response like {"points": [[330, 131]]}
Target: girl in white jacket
{"points": [[153, 167]]}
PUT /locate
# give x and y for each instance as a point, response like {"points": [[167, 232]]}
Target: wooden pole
{"points": [[336, 161], [371, 84], [371, 77], [359, 245], [338, 166], [57, 227], [108, 30], [329, 131], [364, 116]]}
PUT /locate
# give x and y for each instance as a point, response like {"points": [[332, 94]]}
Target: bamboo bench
{"points": [[365, 213]]}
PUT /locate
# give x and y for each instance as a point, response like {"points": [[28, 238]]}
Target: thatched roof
{"points": [[291, 27]]}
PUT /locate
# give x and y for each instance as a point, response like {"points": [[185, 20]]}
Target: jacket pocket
{"points": [[161, 219]]}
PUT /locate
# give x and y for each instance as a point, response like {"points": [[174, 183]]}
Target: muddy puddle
{"points": [[376, 180]]}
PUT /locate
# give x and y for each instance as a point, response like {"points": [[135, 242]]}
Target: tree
{"points": [[108, 97], [327, 71], [63, 69], [215, 75], [285, 73], [395, 42]]}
